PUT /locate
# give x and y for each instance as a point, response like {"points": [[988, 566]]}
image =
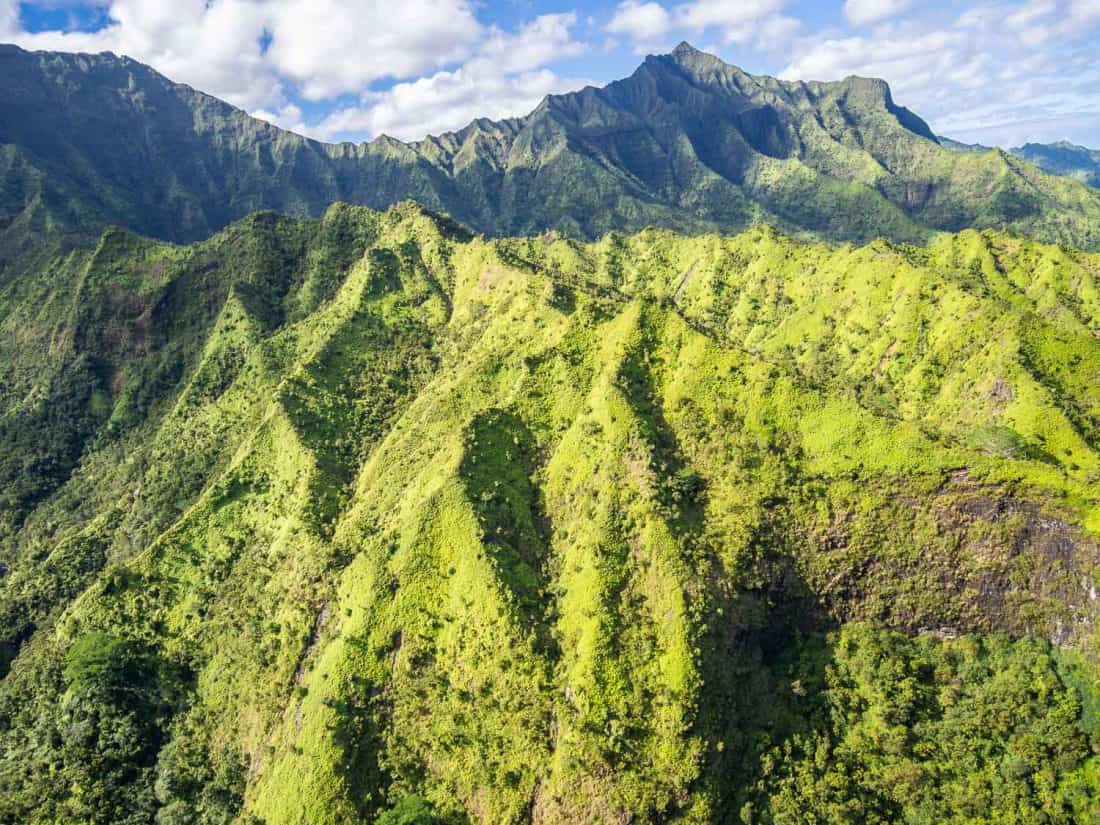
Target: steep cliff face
{"points": [[366, 511], [687, 143]]}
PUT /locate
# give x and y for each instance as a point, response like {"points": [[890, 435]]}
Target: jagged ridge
{"points": [[545, 531], [687, 142]]}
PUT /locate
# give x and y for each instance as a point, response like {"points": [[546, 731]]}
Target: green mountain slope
{"points": [[316, 519], [1060, 158], [687, 143]]}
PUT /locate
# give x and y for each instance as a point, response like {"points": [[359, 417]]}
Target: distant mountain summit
{"points": [[687, 142], [1064, 158], [1059, 158]]}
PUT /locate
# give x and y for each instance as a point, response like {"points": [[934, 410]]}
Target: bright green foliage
{"points": [[411, 810], [368, 518]]}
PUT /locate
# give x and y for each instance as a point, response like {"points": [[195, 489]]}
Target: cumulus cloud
{"points": [[333, 47], [215, 47], [541, 41], [502, 80], [759, 23], [9, 18], [286, 117], [443, 102], [243, 50], [264, 55], [644, 23], [866, 12], [980, 73], [726, 16]]}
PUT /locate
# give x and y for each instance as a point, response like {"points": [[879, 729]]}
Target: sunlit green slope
{"points": [[315, 519]]}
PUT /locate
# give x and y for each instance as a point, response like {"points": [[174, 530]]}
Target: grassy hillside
{"points": [[369, 517], [686, 142]]}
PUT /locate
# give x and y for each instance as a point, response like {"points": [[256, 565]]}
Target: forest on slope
{"points": [[368, 516]]}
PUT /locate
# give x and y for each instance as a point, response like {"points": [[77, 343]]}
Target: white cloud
{"points": [[213, 47], [1084, 11], [866, 12], [9, 18], [332, 47], [440, 103], [772, 33], [541, 41], [259, 54], [641, 22], [726, 16], [759, 23], [504, 79], [992, 67], [905, 60], [287, 117], [324, 47], [1017, 128]]}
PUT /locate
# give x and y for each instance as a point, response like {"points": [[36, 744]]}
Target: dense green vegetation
{"points": [[687, 143], [370, 518]]}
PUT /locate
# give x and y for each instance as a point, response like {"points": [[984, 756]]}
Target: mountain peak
{"points": [[687, 56], [685, 49]]}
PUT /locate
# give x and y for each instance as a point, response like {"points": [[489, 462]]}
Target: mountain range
{"points": [[687, 142], [1063, 158], [315, 512], [1059, 158]]}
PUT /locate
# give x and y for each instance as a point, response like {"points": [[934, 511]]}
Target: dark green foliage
{"points": [[112, 723], [40, 443], [498, 468], [33, 595], [189, 789], [932, 732], [411, 810]]}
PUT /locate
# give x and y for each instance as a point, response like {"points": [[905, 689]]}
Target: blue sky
{"points": [[995, 72]]}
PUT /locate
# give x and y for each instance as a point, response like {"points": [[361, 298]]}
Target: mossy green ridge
{"points": [[686, 143], [319, 521]]}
